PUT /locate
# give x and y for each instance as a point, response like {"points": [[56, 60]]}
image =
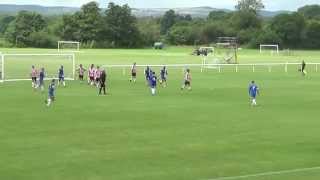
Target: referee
{"points": [[103, 83], [303, 68]]}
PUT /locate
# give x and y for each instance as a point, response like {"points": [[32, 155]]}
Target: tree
{"points": [[242, 20], [211, 32], [25, 23], [289, 27], [150, 30], [167, 21], [90, 22], [312, 35], [70, 29], [267, 36], [250, 5], [183, 34], [120, 26], [85, 25], [4, 23], [310, 11], [217, 15]]}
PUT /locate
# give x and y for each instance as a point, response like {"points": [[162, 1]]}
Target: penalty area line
{"points": [[271, 173]]}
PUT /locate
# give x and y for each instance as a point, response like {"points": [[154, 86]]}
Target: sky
{"points": [[227, 4]]}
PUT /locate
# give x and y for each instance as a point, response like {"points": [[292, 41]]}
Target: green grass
{"points": [[207, 133]]}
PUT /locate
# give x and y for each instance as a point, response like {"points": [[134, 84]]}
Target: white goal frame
{"points": [[269, 45], [3, 60], [207, 48], [69, 42]]}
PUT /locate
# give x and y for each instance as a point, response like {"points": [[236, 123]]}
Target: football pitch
{"points": [[209, 133]]}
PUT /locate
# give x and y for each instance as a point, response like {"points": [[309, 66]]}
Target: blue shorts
{"points": [[51, 96], [61, 78], [253, 96], [41, 82]]}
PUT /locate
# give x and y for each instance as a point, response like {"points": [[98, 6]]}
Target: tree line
{"points": [[116, 27]]}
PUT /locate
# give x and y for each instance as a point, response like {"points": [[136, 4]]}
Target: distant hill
{"points": [[14, 9], [193, 11], [139, 12]]}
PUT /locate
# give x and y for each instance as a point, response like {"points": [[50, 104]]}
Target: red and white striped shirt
{"points": [[81, 71], [91, 72], [34, 73]]}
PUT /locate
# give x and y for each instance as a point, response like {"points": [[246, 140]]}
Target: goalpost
{"points": [[272, 46], [17, 67], [73, 46]]}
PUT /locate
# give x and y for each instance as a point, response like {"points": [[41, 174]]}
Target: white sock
{"points": [[64, 83], [42, 88], [153, 91], [254, 102], [49, 102]]}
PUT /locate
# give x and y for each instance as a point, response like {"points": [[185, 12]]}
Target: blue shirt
{"points": [[51, 89], [163, 73], [147, 72], [41, 75], [153, 81], [61, 72], [253, 90]]}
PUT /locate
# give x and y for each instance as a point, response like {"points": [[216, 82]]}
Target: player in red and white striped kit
{"points": [[34, 75], [91, 74], [98, 76], [81, 70]]}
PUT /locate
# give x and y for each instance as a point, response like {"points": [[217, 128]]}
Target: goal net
{"points": [[71, 46], [17, 67], [272, 48]]}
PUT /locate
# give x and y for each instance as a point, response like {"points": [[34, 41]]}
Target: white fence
{"points": [[220, 67]]}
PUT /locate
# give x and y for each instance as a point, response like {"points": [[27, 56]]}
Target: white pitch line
{"points": [[267, 174]]}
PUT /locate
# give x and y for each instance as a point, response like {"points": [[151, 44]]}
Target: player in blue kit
{"points": [[51, 90], [61, 77], [41, 79], [163, 76], [153, 83], [147, 73], [253, 92]]}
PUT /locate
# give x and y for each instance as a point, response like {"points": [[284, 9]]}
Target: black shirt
{"points": [[103, 78]]}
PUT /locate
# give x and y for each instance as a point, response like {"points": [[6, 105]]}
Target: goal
{"points": [[71, 46], [207, 50], [17, 67], [273, 48], [227, 50]]}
